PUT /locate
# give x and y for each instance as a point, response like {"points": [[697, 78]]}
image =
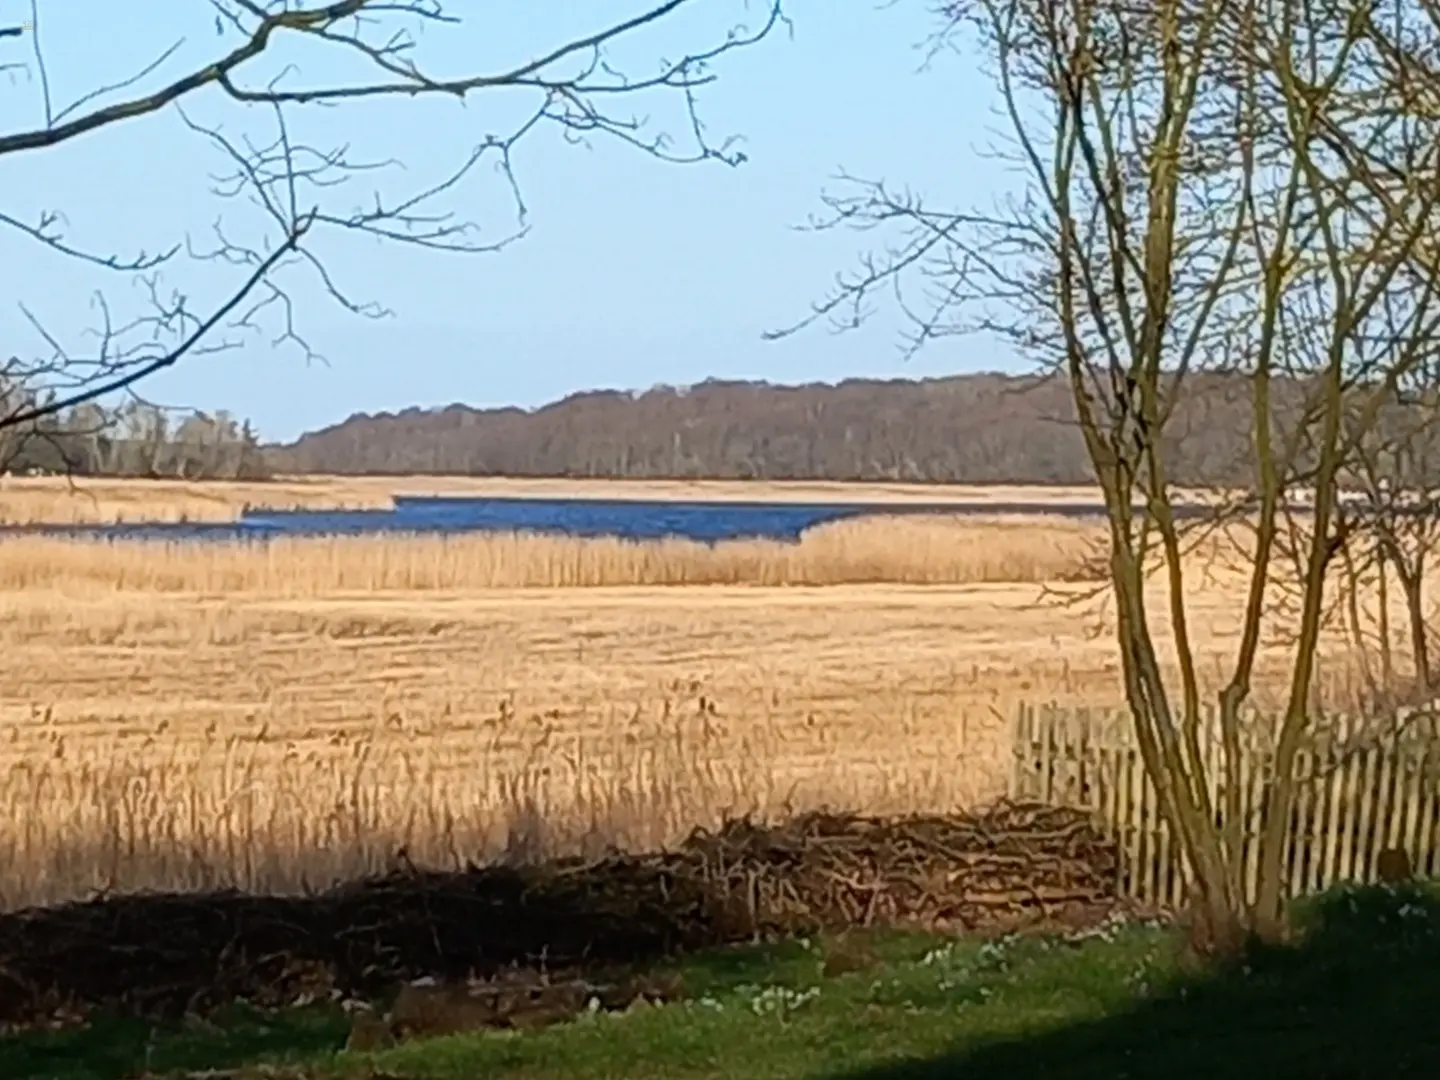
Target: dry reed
{"points": [[271, 810], [899, 550], [166, 741]]}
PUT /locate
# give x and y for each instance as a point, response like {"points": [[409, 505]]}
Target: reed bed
{"points": [[277, 716], [169, 741], [270, 809], [267, 807], [895, 550]]}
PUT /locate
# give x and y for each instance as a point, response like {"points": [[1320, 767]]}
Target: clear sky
{"points": [[634, 272]]}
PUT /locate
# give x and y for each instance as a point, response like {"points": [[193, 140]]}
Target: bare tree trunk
{"points": [[1356, 622], [1387, 658], [1412, 583]]}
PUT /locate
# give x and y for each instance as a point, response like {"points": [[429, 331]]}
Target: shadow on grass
{"points": [[1359, 998], [116, 1048]]}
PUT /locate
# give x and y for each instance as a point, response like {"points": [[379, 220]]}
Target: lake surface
{"points": [[632, 519]]}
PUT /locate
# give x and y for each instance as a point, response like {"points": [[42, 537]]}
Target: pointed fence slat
{"points": [[1426, 838], [1334, 781], [1252, 781]]}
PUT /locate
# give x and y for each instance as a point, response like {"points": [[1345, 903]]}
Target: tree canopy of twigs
{"points": [[286, 187], [1247, 189]]}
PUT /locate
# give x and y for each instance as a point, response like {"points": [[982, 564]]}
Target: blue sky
{"points": [[633, 273]]}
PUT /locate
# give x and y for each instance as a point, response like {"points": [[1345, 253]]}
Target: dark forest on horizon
{"points": [[964, 429], [976, 429]]}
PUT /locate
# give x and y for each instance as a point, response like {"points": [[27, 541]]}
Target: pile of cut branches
{"points": [[1013, 866]]}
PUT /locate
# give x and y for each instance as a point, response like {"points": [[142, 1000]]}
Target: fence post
{"points": [[1414, 793], [1021, 753], [1353, 771], [1135, 822], [1373, 836], [1326, 869]]}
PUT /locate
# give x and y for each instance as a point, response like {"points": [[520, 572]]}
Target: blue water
{"points": [[631, 519]]}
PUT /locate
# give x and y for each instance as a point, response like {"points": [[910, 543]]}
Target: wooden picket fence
{"points": [[1360, 793]]}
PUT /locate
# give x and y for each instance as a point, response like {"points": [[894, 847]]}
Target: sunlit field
{"points": [[279, 715]]}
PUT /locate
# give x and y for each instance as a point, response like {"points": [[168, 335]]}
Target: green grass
{"points": [[1360, 999], [118, 1049]]}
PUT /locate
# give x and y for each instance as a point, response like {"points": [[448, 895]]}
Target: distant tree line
{"points": [[977, 429], [963, 429], [134, 440]]}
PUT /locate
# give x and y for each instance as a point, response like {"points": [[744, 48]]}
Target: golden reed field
{"points": [[273, 716]]}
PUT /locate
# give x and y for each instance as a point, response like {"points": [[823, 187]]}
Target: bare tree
{"points": [[1392, 524], [283, 190], [1238, 188]]}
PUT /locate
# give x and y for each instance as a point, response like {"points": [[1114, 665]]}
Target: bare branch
{"points": [[282, 194]]}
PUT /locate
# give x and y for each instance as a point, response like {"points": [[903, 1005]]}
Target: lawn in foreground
{"points": [[762, 1011], [1358, 999]]}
